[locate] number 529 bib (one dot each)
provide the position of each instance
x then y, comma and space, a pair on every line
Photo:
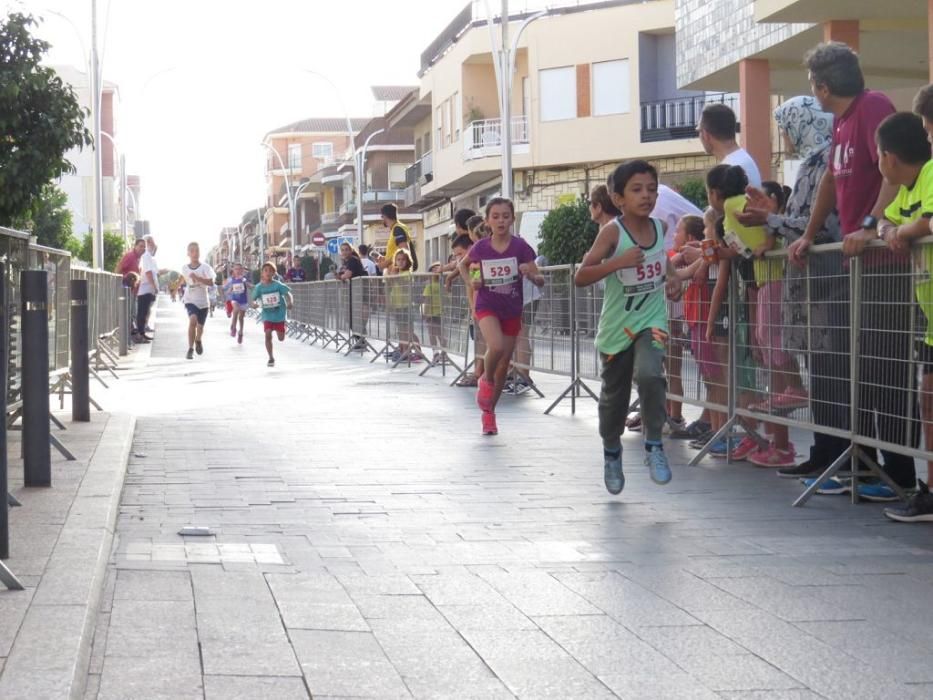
499, 272
644, 278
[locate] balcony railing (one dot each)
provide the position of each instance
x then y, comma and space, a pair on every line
348, 208
383, 196
421, 172
665, 120
330, 217
483, 138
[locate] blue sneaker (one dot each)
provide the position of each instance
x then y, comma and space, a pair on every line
830, 487
612, 472
719, 448
877, 493
658, 467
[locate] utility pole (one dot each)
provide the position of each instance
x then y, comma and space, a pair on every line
505, 100
97, 243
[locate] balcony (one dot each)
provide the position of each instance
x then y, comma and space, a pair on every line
373, 196
347, 208
483, 138
667, 120
330, 217
416, 176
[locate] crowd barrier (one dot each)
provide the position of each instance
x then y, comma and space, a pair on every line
779, 353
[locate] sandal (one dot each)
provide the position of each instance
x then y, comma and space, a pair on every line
468, 380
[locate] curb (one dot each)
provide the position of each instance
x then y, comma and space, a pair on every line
52, 652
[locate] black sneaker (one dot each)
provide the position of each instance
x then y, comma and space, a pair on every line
271, 362
198, 347
701, 441
801, 471
190, 354
694, 431
919, 508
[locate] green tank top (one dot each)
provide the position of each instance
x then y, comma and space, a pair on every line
634, 298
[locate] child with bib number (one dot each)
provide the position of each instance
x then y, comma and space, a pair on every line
503, 260
236, 292
274, 298
628, 254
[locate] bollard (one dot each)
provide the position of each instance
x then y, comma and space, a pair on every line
37, 459
80, 364
123, 316
4, 484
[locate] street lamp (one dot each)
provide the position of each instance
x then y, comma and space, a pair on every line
359, 185
505, 67
288, 192
123, 187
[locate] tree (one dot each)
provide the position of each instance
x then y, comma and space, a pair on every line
40, 119
114, 248
694, 190
50, 220
567, 232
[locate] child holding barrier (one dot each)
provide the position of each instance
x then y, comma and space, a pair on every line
628, 254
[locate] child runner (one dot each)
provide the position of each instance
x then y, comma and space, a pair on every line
199, 277
237, 290
275, 299
633, 323
503, 260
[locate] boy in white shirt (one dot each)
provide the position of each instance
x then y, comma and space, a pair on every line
199, 278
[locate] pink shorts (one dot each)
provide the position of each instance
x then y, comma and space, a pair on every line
510, 326
769, 332
704, 352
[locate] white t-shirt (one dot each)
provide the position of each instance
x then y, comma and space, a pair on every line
148, 264
195, 292
670, 208
741, 157
369, 266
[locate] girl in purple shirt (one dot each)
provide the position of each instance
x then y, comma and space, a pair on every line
495, 268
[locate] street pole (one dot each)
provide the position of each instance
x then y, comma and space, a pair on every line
97, 242
361, 162
123, 191
506, 101
288, 192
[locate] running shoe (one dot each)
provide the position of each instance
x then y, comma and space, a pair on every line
484, 395
634, 423
877, 493
746, 447
489, 423
239, 338
271, 362
521, 386
802, 470
793, 398
613, 477
718, 449
919, 509
772, 457
674, 425
694, 431
232, 331
509, 389
658, 467
190, 354
198, 347
830, 487
467, 380
701, 441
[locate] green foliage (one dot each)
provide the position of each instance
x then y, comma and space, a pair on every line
50, 219
40, 119
567, 233
114, 248
695, 190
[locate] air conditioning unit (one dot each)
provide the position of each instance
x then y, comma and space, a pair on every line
425, 178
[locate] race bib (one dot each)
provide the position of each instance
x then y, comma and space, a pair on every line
271, 301
238, 288
645, 278
500, 272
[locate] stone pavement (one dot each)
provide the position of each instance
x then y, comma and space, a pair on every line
370, 543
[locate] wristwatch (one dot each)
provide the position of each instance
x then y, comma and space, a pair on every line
870, 223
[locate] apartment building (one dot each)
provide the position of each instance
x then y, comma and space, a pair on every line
302, 157
756, 48
594, 84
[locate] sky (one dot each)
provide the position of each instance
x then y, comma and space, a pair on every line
202, 81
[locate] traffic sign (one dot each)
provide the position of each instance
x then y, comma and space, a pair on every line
318, 239
333, 246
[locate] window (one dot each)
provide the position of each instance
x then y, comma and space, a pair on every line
558, 93
323, 151
456, 115
611, 88
448, 123
294, 156
397, 176
439, 126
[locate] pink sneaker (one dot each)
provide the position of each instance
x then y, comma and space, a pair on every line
232, 331
792, 398
745, 447
484, 395
773, 458
489, 423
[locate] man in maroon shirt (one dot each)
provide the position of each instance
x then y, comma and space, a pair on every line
854, 186
130, 262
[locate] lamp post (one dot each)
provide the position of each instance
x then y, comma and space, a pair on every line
97, 241
359, 184
288, 192
505, 67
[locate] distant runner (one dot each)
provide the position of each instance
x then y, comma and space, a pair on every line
199, 277
275, 299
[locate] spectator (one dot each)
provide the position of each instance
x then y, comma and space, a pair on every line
776, 199
399, 284
296, 272
852, 184
353, 267
148, 289
371, 269
431, 310
717, 129
399, 238
521, 381
131, 260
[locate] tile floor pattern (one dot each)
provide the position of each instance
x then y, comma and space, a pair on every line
370, 543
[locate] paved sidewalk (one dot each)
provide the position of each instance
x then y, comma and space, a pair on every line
370, 543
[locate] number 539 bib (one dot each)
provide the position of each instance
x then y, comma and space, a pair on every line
502, 271
645, 277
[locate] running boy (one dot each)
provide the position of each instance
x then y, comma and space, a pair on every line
236, 290
274, 298
633, 324
199, 277
503, 261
